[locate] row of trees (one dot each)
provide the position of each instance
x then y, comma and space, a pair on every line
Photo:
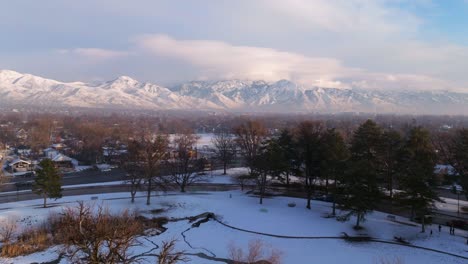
358, 173
154, 162
454, 150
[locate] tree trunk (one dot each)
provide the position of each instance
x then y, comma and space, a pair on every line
423, 225
358, 220
309, 197
287, 179
334, 197
133, 197
182, 188
326, 185
309, 192
262, 187
390, 185
148, 194
224, 167
45, 199
412, 213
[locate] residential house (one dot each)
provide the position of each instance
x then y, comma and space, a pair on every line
21, 134
60, 160
20, 165
23, 150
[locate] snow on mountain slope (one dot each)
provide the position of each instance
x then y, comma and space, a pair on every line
234, 95
287, 96
121, 92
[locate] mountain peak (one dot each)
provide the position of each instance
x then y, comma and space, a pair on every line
10, 74
125, 78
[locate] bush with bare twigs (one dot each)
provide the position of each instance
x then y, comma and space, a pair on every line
394, 260
94, 235
168, 254
258, 253
8, 229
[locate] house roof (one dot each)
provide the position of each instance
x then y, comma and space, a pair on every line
13, 162
58, 145
61, 157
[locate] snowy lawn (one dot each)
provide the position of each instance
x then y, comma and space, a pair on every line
273, 217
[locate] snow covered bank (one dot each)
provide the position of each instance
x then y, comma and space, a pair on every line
274, 217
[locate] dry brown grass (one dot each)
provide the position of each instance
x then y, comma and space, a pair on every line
30, 241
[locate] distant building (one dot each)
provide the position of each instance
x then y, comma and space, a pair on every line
23, 150
20, 165
445, 170
60, 160
21, 134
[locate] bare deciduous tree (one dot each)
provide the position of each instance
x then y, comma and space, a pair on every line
7, 229
135, 178
148, 152
225, 148
184, 164
249, 138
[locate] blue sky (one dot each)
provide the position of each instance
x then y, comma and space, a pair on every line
385, 44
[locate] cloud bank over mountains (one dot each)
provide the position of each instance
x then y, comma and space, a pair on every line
371, 44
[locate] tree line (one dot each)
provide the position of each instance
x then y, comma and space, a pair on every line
359, 173
356, 171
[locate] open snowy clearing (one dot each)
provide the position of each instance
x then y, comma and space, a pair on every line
274, 217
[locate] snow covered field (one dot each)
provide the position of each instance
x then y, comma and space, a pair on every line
274, 217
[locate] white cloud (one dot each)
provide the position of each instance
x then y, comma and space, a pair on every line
220, 60
336, 43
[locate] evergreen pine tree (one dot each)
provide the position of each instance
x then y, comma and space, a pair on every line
48, 181
418, 159
335, 155
362, 193
309, 154
459, 157
267, 162
391, 147
288, 154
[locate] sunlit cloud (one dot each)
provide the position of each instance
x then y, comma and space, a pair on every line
220, 60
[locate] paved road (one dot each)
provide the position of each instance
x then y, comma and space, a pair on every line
101, 189
449, 194
83, 177
96, 176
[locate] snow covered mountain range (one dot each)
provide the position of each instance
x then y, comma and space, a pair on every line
230, 95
